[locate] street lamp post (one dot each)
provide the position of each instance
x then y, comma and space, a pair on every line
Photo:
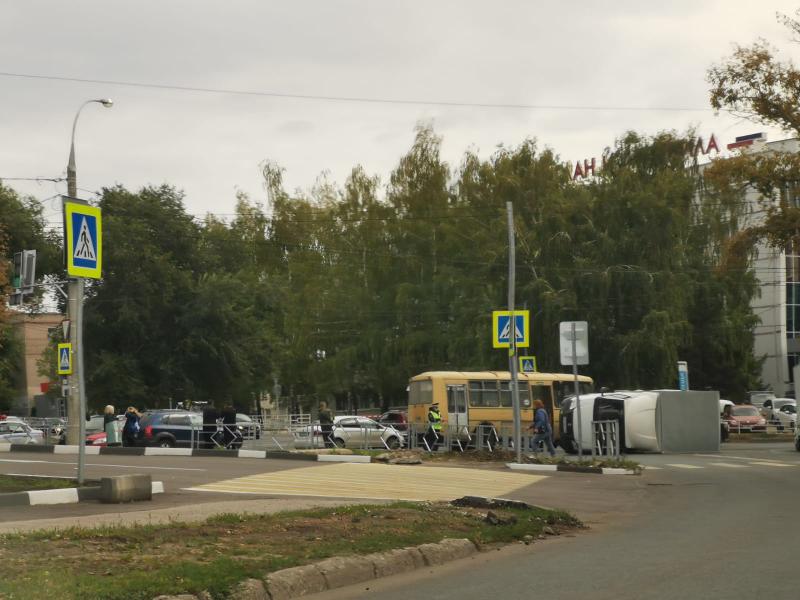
76, 403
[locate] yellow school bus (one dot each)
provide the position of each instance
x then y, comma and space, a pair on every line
478, 398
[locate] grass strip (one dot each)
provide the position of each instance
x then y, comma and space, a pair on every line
16, 483
141, 562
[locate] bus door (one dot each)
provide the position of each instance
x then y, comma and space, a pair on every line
457, 406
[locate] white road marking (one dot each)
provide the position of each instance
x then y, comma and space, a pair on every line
56, 462
772, 464
728, 465
681, 466
381, 482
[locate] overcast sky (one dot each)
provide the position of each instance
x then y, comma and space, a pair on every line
579, 53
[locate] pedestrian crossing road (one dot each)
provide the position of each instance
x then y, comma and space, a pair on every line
377, 482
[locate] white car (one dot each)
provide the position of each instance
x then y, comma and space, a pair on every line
17, 432
785, 417
351, 432
772, 411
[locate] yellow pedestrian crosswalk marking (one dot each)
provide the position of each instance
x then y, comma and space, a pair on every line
681, 466
772, 464
377, 482
728, 465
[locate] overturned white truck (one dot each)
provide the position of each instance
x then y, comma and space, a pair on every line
649, 421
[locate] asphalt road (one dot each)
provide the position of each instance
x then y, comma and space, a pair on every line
704, 529
702, 526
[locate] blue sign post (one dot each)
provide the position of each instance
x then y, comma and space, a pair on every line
683, 376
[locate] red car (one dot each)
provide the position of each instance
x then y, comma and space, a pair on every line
744, 417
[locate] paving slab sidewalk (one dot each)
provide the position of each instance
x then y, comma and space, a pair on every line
190, 513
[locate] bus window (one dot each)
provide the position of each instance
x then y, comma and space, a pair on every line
483, 394
420, 392
505, 394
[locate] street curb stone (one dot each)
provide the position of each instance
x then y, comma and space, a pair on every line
570, 469
447, 550
340, 571
61, 495
294, 582
249, 589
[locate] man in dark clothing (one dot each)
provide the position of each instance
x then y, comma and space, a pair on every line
326, 424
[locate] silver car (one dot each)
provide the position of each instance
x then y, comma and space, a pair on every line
17, 432
362, 432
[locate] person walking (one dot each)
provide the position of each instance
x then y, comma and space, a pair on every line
131, 428
110, 426
326, 424
434, 427
542, 431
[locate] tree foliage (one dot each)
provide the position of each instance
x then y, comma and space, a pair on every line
344, 292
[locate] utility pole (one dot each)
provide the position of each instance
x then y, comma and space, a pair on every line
76, 402
512, 334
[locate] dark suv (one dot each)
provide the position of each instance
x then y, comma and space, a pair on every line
181, 428
169, 428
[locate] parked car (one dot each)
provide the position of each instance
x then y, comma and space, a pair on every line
96, 430
773, 405
17, 432
360, 432
395, 418
170, 428
785, 417
745, 418
351, 431
250, 429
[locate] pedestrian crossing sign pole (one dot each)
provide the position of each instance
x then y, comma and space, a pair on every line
65, 359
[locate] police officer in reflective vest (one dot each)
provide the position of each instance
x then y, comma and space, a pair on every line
434, 427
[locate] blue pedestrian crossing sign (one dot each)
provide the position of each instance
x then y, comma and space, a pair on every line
527, 364
65, 359
84, 239
501, 328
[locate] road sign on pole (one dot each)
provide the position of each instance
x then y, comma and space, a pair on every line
683, 375
501, 328
65, 359
527, 364
84, 240
577, 332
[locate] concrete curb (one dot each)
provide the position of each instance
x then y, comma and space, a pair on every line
60, 496
340, 571
570, 469
348, 458
157, 451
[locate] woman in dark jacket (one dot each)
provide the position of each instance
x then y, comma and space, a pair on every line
131, 428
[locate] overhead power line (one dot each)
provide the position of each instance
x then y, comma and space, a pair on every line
360, 99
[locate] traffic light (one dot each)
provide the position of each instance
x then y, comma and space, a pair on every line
24, 276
